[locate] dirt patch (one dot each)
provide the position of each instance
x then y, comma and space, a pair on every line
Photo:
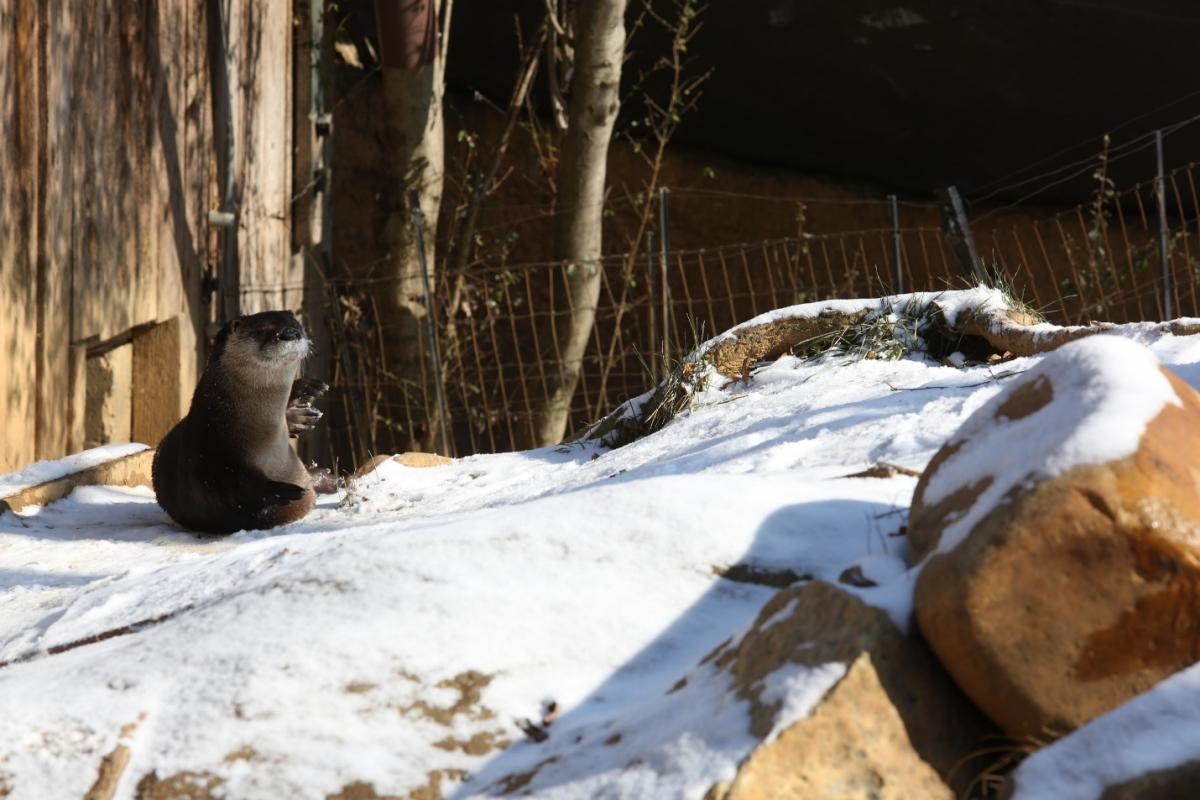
359, 687
432, 790
470, 686
180, 786
478, 745
244, 753
360, 790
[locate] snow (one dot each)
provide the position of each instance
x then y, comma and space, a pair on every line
1154, 731
951, 303
798, 689
780, 615
802, 311
430, 609
44, 471
1104, 391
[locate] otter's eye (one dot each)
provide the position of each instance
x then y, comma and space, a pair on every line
290, 334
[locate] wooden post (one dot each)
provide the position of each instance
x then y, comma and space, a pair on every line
654, 356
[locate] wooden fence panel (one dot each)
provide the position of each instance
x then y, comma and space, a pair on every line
18, 231
106, 180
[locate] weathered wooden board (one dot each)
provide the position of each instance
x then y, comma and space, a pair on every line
108, 85
181, 215
131, 470
19, 146
77, 398
158, 393
110, 397
57, 223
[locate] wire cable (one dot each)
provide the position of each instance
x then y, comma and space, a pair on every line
977, 191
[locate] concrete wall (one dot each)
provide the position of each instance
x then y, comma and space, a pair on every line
107, 175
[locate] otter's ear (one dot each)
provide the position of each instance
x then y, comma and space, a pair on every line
234, 325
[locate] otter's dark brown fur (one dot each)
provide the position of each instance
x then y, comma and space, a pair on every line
228, 464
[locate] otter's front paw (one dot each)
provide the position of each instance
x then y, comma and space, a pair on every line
306, 390
301, 419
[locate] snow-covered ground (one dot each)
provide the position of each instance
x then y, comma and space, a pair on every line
400, 636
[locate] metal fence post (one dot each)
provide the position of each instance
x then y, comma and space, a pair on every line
431, 328
954, 219
896, 252
226, 216
653, 315
1164, 253
664, 246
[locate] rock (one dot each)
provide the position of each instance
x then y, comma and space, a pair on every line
853, 745
1148, 749
1063, 574
854, 576
415, 459
1174, 783
1177, 783
409, 459
894, 726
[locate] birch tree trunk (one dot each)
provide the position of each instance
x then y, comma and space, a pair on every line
412, 53
592, 110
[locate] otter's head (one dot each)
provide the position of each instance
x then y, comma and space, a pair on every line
263, 346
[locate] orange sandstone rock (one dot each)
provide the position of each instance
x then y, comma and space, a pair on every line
1066, 579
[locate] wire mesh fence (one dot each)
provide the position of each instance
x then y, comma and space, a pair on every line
497, 324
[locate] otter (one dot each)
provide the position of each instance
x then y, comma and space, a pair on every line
228, 465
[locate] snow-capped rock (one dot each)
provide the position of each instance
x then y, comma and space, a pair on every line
1060, 530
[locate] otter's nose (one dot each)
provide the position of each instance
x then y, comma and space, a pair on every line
291, 333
